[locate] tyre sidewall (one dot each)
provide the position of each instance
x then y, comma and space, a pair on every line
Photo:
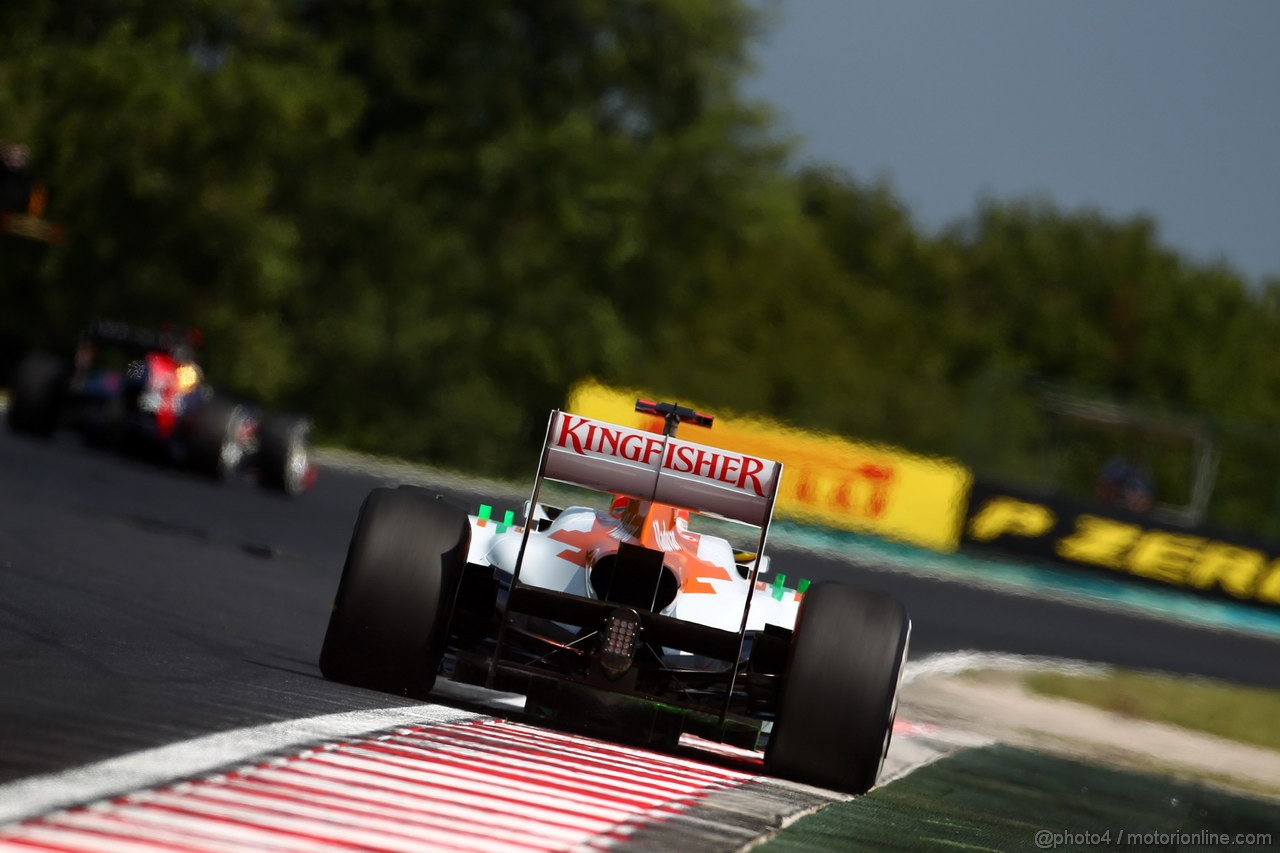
280, 439
37, 391
389, 623
214, 426
839, 688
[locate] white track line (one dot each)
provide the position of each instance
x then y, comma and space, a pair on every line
40, 794
335, 797
954, 663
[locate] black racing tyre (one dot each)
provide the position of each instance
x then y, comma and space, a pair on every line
839, 689
36, 393
284, 454
389, 625
216, 438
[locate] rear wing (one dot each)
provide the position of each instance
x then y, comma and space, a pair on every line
661, 468
141, 341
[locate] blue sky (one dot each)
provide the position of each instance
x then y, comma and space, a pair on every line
1169, 108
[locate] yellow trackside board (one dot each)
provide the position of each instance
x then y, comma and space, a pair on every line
865, 488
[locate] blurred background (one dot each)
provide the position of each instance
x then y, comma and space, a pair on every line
423, 223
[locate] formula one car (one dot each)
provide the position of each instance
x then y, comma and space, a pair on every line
142, 391
624, 618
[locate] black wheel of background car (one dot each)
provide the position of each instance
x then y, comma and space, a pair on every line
216, 444
389, 625
284, 453
839, 689
36, 393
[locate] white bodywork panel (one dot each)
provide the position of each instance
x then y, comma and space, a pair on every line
545, 566
658, 481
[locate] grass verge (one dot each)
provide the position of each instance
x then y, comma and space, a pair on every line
1001, 798
1244, 714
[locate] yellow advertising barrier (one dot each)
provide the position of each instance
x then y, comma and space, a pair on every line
865, 488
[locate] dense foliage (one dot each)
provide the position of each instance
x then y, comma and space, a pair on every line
420, 222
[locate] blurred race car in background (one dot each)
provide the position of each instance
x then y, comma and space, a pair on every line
635, 617
142, 391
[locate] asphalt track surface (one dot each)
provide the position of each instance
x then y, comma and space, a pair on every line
141, 606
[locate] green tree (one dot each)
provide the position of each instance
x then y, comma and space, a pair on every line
177, 137
422, 222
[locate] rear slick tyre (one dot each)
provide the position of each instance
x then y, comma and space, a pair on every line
839, 689
216, 439
389, 624
284, 454
37, 390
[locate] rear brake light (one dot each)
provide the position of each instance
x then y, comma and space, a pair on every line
619, 640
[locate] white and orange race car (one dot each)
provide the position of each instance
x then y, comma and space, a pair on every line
632, 615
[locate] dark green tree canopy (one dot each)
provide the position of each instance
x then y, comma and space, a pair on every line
421, 222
